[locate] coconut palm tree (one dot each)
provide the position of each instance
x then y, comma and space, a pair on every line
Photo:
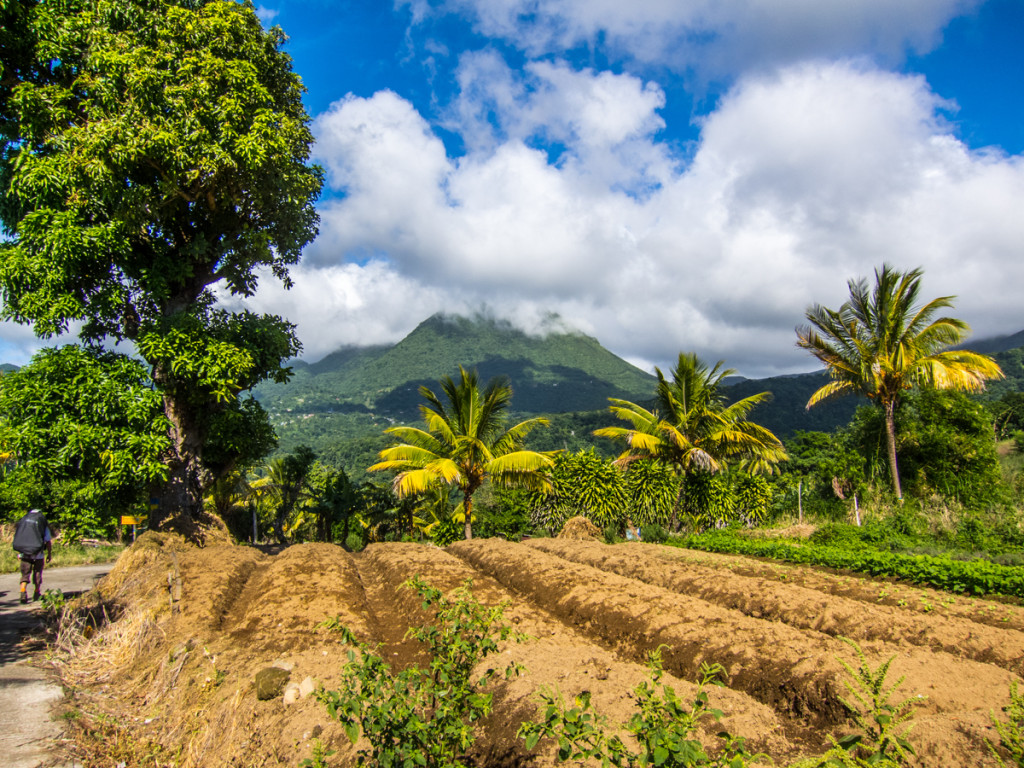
465, 442
880, 342
692, 428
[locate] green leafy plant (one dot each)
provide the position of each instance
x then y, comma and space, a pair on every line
319, 758
663, 725
422, 717
978, 577
653, 534
884, 726
1011, 731
53, 601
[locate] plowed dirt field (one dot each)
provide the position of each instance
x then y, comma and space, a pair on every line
176, 670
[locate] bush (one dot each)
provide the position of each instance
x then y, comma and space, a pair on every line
422, 716
653, 533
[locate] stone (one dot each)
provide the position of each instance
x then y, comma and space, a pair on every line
291, 694
270, 682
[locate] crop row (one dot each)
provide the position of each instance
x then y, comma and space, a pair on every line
977, 577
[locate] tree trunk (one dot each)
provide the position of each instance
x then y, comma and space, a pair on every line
890, 436
182, 495
467, 507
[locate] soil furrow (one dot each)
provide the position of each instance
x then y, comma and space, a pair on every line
795, 672
801, 607
912, 599
557, 657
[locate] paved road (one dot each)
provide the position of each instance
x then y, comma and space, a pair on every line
26, 695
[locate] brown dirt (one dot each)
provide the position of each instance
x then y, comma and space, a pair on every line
194, 626
579, 528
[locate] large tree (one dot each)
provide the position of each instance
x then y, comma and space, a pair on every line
155, 158
87, 431
882, 342
692, 427
465, 443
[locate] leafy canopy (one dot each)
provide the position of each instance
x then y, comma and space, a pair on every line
85, 417
464, 443
882, 341
692, 428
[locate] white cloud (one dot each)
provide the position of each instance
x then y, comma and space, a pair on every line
802, 179
713, 37
266, 15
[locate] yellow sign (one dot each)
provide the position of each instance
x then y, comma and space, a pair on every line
126, 520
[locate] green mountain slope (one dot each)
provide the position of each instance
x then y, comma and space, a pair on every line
556, 373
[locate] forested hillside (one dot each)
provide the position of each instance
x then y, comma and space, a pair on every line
558, 372
341, 404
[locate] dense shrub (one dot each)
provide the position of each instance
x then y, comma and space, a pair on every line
653, 533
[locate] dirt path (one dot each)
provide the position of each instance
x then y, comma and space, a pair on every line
26, 693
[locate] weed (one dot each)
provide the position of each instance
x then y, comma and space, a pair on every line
1011, 731
320, 755
53, 601
882, 742
664, 727
422, 717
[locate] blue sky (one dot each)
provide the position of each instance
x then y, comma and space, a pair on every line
666, 175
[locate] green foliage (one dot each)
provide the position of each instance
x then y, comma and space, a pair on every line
53, 602
881, 342
87, 431
651, 492
823, 464
334, 502
504, 512
884, 726
708, 500
753, 499
446, 532
976, 577
946, 445
664, 727
692, 428
466, 443
582, 484
653, 534
423, 716
154, 153
320, 755
1011, 730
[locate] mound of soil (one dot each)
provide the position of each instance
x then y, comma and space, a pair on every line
579, 528
191, 629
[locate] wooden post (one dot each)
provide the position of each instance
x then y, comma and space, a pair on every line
800, 501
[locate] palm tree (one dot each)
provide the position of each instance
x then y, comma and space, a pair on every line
465, 443
880, 343
692, 428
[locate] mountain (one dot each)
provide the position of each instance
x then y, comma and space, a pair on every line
341, 404
995, 344
561, 371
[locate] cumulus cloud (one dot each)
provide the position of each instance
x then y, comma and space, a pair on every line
815, 171
716, 38
266, 15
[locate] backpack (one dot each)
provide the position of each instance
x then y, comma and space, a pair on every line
29, 534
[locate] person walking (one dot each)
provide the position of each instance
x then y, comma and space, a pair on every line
31, 537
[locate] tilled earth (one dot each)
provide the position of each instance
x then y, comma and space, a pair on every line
177, 668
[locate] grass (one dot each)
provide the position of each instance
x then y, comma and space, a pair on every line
64, 555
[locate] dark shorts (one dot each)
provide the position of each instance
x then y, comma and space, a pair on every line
32, 570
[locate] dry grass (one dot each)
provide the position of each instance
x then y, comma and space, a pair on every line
580, 529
